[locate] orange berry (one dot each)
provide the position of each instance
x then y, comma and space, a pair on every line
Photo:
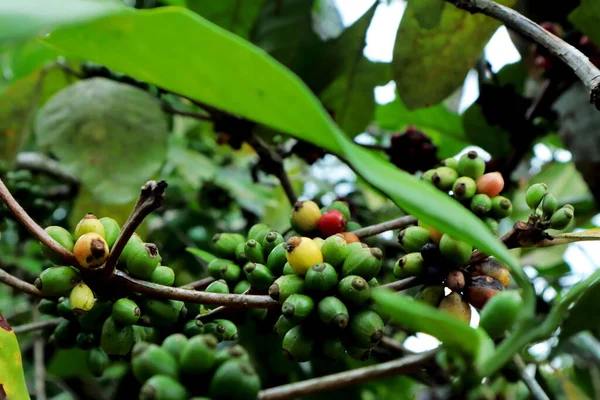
491, 184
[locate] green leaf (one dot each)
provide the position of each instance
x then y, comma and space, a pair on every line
195, 167
205, 255
112, 134
69, 363
19, 61
237, 16
442, 125
350, 96
428, 12
430, 63
548, 262
578, 319
25, 18
420, 317
212, 74
586, 19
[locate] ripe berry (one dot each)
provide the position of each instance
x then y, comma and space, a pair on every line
491, 267
412, 151
305, 216
482, 288
302, 253
350, 237
91, 250
455, 281
456, 306
490, 184
332, 222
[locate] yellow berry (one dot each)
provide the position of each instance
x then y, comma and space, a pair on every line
306, 215
81, 298
302, 253
89, 223
91, 250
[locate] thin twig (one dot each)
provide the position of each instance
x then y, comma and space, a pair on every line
192, 296
192, 114
42, 163
404, 284
18, 284
201, 283
575, 59
33, 227
344, 379
534, 388
219, 310
36, 326
398, 223
151, 198
38, 359
378, 147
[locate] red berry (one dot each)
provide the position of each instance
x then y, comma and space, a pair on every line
332, 222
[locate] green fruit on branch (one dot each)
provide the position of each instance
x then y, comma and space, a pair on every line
272, 240
134, 243
297, 345
535, 194
333, 348
365, 263
464, 188
455, 250
283, 325
86, 340
241, 287
93, 319
335, 250
47, 307
126, 312
193, 327
91, 250
64, 308
333, 312
224, 269
162, 387
354, 290
97, 361
471, 165
277, 259
501, 207
342, 207
413, 238
444, 177
57, 281
163, 312
427, 175
164, 275
240, 256
153, 360
358, 353
561, 218
305, 216
449, 162
116, 339
258, 232
193, 309
481, 289
235, 352
288, 270
65, 334
142, 262
111, 230
491, 223
366, 328
81, 299
89, 224
409, 265
481, 204
297, 307
254, 252
500, 313
259, 276
431, 295
285, 286
219, 286
234, 380
225, 244
223, 329
302, 253
456, 306
63, 237
199, 355
321, 278
491, 267
174, 344
549, 204
355, 246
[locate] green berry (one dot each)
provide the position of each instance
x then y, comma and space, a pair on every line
333, 312
428, 175
283, 325
97, 361
57, 281
297, 345
413, 238
116, 339
352, 226
63, 237
444, 177
333, 348
47, 307
153, 360
297, 307
162, 387
86, 340
335, 250
366, 328
225, 244
241, 287
240, 256
373, 283
500, 313
277, 260
285, 286
193, 327
193, 309
365, 263
81, 299
481, 204
258, 232
354, 290
259, 276
174, 344
134, 243
219, 286
126, 312
235, 380
142, 261
549, 204
254, 251
471, 165
455, 250
111, 230
222, 329
288, 270
409, 265
450, 163
535, 194
89, 223
93, 319
163, 312
464, 188
501, 207
342, 207
561, 218
272, 240
199, 355
235, 352
358, 353
320, 278
163, 276
491, 223
65, 334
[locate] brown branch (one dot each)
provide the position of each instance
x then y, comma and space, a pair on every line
398, 223
575, 59
33, 227
404, 284
38, 359
18, 284
348, 378
534, 387
36, 326
41, 163
151, 198
201, 283
231, 300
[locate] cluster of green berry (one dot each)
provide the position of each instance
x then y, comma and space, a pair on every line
182, 367
468, 183
545, 209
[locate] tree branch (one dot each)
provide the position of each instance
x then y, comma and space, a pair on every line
42, 163
534, 388
33, 227
576, 60
39, 367
18, 284
151, 198
36, 326
201, 283
343, 379
404, 284
398, 223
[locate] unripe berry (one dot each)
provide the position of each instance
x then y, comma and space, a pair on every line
81, 299
47, 307
444, 177
490, 184
455, 281
259, 276
126, 312
456, 306
283, 326
116, 339
335, 250
302, 253
285, 286
163, 312
297, 345
57, 281
332, 222
272, 240
134, 243
340, 206
365, 263
561, 218
359, 353
464, 188
319, 242
91, 250
193, 327
234, 379
111, 230
535, 194
142, 261
471, 165
409, 265
549, 204
413, 238
88, 224
352, 226
500, 313
63, 237
333, 348
152, 360
97, 361
254, 251
333, 312
305, 216
491, 267
450, 163
501, 207
366, 328
222, 269
481, 204
241, 287
235, 352
482, 288
297, 307
491, 222
164, 275
434, 234
199, 355
258, 232
321, 278
226, 243
428, 175
223, 329
354, 290
455, 250
350, 237
277, 259
162, 387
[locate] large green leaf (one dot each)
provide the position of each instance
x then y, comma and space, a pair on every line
586, 18
236, 16
19, 61
430, 63
111, 134
420, 317
263, 91
579, 317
